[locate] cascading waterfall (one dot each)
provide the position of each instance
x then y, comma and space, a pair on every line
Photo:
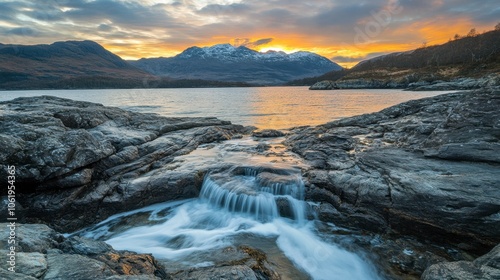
263, 203
257, 194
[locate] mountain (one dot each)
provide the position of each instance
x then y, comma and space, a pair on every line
61, 64
225, 62
469, 60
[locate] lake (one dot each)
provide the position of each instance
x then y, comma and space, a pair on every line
263, 107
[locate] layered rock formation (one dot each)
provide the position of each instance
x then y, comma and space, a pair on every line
79, 162
411, 82
427, 168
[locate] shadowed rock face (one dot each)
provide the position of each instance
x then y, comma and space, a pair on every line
486, 267
75, 158
428, 168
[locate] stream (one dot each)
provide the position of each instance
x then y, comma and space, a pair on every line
252, 203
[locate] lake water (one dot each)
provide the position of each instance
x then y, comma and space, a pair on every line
264, 107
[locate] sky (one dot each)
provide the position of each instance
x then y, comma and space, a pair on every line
344, 31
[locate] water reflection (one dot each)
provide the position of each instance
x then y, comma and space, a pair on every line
264, 107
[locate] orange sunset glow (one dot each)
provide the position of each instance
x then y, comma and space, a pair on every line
345, 33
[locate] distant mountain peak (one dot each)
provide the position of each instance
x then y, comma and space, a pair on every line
225, 62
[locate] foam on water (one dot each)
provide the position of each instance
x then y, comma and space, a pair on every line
231, 207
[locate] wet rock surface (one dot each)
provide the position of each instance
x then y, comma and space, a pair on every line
79, 162
426, 168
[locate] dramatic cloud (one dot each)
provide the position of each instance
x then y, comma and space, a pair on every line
347, 31
249, 44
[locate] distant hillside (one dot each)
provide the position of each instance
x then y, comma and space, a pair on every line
238, 64
48, 66
472, 57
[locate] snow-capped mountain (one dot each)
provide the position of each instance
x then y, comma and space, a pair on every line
225, 62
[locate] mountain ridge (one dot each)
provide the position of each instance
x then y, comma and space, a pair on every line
87, 64
225, 62
49, 65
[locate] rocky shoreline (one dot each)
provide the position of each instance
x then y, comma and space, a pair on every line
426, 169
412, 82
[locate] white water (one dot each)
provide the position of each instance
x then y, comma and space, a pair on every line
231, 207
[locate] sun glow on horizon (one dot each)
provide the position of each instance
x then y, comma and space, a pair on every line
346, 55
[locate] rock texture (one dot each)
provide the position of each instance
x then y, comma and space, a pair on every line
324, 85
427, 168
79, 162
42, 253
486, 267
236, 263
411, 81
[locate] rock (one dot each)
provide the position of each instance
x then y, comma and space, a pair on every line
324, 85
64, 266
130, 263
74, 158
30, 264
412, 81
42, 252
486, 267
9, 275
84, 246
427, 168
463, 83
232, 262
268, 133
32, 237
237, 272
481, 152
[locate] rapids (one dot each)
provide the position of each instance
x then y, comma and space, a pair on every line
256, 206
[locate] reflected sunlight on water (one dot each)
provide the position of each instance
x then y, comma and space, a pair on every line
264, 107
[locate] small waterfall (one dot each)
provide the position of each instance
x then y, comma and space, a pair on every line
256, 206
264, 194
233, 196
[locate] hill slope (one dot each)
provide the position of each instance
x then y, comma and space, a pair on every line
466, 58
238, 64
85, 63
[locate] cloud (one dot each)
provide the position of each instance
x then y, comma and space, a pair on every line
353, 59
251, 44
22, 31
315, 25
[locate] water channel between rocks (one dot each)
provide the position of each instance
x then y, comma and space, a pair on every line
248, 199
